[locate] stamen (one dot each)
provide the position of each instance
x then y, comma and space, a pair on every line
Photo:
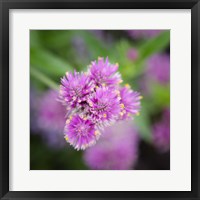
127, 86
140, 97
138, 113
66, 138
68, 121
118, 98
61, 91
122, 106
96, 133
117, 92
124, 111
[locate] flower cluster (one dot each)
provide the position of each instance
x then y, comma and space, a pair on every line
95, 100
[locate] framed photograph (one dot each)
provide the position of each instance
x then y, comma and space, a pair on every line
99, 99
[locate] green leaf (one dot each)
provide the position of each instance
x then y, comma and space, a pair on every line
162, 93
126, 66
96, 46
154, 45
44, 79
143, 123
35, 38
56, 39
150, 47
48, 63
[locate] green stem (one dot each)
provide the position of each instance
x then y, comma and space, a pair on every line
44, 79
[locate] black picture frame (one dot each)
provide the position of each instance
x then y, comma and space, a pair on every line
5, 5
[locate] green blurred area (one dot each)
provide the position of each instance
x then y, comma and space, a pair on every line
54, 52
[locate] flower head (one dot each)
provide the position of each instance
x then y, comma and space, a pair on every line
104, 73
161, 132
104, 106
80, 132
75, 88
129, 102
117, 149
158, 68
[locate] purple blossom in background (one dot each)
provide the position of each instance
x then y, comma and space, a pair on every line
132, 54
51, 118
158, 68
95, 100
33, 108
98, 33
80, 47
161, 132
117, 149
103, 36
139, 34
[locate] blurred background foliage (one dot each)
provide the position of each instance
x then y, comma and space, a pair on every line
54, 52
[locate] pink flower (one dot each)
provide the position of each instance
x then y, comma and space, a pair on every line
129, 103
104, 73
75, 88
80, 132
132, 54
161, 132
50, 118
95, 100
117, 149
158, 68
